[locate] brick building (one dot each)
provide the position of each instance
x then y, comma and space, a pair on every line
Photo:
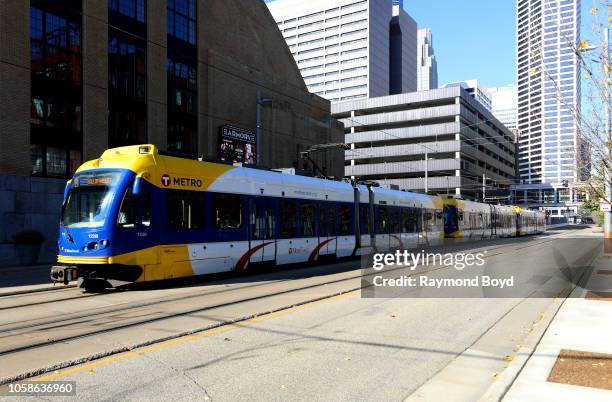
80, 76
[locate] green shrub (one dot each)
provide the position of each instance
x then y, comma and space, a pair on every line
599, 217
29, 236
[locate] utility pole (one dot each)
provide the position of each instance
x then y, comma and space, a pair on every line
608, 173
426, 171
484, 185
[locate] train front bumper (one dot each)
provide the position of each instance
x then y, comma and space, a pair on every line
64, 274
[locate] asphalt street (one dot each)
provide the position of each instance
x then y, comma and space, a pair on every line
345, 347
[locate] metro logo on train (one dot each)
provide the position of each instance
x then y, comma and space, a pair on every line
180, 181
137, 214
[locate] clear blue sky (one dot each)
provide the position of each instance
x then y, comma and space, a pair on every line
473, 38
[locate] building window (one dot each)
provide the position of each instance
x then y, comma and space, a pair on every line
127, 75
182, 20
181, 69
135, 9
182, 107
56, 89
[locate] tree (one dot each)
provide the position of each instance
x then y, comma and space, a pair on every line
593, 148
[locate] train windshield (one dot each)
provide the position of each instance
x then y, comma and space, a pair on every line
89, 199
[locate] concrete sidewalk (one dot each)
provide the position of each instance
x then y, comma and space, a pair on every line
15, 278
573, 360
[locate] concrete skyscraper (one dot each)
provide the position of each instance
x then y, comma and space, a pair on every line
476, 90
350, 49
427, 69
548, 96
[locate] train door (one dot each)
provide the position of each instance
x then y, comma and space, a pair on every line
330, 230
395, 235
494, 220
262, 231
382, 228
134, 220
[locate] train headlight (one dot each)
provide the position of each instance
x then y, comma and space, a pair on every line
91, 246
103, 244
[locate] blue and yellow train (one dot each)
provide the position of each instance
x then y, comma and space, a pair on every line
137, 214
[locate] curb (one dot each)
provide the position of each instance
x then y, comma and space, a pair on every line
497, 391
499, 388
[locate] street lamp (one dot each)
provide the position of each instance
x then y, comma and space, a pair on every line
427, 159
260, 101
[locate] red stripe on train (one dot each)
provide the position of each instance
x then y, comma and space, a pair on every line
315, 252
245, 258
399, 239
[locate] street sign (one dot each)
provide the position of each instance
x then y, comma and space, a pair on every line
605, 207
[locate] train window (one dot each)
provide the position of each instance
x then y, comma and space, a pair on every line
382, 220
395, 220
408, 220
257, 222
307, 215
129, 215
227, 211
345, 220
145, 209
322, 221
439, 216
365, 220
128, 211
185, 209
264, 221
270, 222
428, 219
331, 229
287, 218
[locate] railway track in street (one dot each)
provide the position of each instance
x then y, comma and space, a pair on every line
82, 326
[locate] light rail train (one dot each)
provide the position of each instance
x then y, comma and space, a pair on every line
137, 214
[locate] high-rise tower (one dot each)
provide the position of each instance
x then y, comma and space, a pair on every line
548, 90
350, 49
427, 67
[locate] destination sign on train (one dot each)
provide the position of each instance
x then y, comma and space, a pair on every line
95, 181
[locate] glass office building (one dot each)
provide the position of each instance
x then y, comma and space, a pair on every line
548, 105
548, 90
